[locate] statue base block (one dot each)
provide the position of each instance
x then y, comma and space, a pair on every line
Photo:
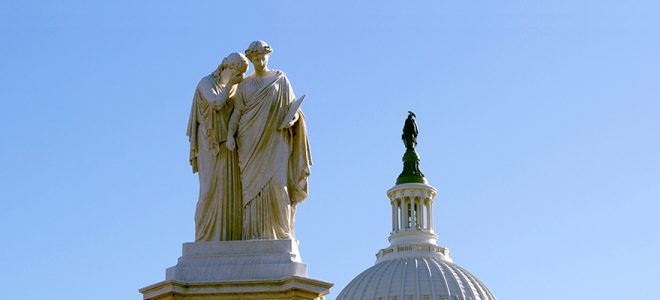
253, 269
238, 260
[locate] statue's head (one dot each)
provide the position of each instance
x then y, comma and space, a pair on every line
235, 63
258, 52
411, 115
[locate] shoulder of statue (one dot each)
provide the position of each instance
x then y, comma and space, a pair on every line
279, 73
241, 85
206, 81
248, 78
281, 77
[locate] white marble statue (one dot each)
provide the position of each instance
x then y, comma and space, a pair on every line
268, 131
219, 208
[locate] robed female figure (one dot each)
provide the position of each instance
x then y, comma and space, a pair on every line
219, 212
273, 150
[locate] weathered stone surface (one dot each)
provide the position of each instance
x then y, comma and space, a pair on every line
255, 269
238, 260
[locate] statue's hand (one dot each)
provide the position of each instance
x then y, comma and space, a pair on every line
235, 79
231, 143
293, 121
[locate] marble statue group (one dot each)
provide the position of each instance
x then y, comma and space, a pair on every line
248, 142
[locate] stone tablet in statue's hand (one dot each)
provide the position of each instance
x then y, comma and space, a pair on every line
230, 143
292, 116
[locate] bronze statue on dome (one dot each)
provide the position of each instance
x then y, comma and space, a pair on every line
409, 135
411, 172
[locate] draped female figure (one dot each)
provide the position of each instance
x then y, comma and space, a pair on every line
218, 215
273, 151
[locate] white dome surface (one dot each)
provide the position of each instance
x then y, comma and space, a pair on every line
426, 277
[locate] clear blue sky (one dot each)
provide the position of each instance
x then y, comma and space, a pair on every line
539, 125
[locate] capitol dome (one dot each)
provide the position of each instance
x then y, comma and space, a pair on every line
416, 277
414, 267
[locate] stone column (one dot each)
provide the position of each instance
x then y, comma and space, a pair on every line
393, 203
421, 213
406, 204
431, 215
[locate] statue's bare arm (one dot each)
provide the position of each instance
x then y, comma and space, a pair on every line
233, 122
220, 99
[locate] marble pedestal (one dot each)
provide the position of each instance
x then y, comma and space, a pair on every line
255, 269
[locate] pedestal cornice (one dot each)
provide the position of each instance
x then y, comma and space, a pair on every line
288, 288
